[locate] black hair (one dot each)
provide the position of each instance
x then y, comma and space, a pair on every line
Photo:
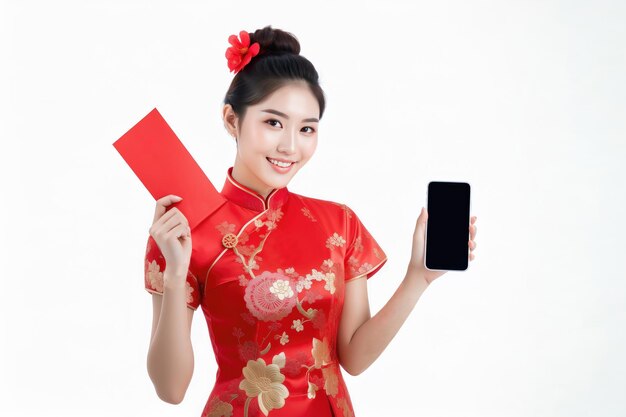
277, 64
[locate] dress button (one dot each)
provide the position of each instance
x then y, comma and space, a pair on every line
229, 240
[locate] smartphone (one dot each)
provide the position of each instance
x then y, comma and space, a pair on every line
447, 227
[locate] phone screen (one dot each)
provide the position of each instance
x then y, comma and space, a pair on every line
447, 228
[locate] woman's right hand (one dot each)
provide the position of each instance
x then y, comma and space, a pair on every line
172, 234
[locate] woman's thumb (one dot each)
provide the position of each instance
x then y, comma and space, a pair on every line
421, 221
423, 216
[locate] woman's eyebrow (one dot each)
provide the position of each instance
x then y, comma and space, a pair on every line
278, 113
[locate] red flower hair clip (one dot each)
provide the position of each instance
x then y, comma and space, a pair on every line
241, 52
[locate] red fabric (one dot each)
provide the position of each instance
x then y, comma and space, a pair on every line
272, 294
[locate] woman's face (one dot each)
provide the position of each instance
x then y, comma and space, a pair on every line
282, 127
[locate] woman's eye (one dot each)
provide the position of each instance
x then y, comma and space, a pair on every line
271, 121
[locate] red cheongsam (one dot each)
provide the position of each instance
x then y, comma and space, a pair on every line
270, 276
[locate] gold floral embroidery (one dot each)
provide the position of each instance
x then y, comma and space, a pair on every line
331, 382
237, 332
284, 338
297, 324
269, 297
189, 292
243, 238
154, 279
330, 283
322, 358
358, 246
343, 404
335, 240
327, 277
289, 272
273, 216
307, 213
224, 228
219, 408
265, 382
320, 352
281, 289
311, 391
356, 269
154, 276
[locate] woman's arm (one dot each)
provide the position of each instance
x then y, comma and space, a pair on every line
361, 338
170, 357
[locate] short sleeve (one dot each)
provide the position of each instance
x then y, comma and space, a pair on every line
154, 266
364, 256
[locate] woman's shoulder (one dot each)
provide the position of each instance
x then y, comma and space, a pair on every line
320, 204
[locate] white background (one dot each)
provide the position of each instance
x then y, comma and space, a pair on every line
523, 99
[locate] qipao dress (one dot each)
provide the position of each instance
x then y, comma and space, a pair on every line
269, 275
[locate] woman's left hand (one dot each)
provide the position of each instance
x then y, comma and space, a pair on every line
419, 236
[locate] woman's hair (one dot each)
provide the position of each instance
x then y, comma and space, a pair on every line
277, 64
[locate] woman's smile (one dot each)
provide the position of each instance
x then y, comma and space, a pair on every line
279, 165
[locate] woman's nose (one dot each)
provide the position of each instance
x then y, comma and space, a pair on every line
288, 142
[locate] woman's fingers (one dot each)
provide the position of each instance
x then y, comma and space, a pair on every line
172, 221
162, 204
181, 230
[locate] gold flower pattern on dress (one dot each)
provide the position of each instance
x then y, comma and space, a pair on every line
189, 292
271, 296
331, 382
354, 266
335, 240
281, 289
311, 391
154, 276
279, 309
307, 213
154, 279
265, 382
322, 360
345, 407
219, 408
284, 338
320, 352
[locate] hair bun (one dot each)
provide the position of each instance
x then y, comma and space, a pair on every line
275, 41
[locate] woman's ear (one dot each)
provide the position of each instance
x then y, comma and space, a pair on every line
230, 120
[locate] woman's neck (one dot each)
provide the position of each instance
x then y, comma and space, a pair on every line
246, 178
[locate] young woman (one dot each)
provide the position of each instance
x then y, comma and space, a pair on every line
281, 278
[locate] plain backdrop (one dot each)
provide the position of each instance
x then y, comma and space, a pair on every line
525, 100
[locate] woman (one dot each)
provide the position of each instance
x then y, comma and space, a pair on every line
281, 278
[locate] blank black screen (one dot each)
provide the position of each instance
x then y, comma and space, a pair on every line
447, 228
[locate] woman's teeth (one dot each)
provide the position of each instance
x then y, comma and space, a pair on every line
280, 164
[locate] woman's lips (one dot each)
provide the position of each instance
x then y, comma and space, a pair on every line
279, 169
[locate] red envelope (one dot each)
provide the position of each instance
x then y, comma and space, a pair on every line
164, 166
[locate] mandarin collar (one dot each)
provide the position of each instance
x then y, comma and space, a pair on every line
248, 198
